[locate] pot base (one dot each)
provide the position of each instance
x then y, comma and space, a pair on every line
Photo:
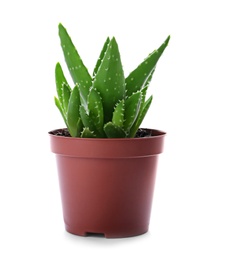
108, 233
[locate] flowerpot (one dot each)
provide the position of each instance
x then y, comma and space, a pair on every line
107, 184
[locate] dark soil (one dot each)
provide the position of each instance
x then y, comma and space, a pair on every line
142, 132
61, 132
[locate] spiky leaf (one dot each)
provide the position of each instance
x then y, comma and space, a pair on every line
78, 71
147, 82
109, 80
143, 95
118, 114
73, 115
132, 106
140, 118
60, 82
138, 78
85, 117
87, 133
96, 110
114, 131
66, 92
89, 121
102, 54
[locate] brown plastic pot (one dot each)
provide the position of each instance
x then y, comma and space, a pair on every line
107, 184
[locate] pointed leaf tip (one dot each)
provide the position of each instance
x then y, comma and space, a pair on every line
167, 40
60, 26
101, 56
109, 80
113, 39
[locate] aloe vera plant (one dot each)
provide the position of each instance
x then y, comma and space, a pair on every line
106, 104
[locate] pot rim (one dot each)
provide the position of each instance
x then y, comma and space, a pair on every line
157, 133
108, 147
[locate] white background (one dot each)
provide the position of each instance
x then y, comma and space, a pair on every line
188, 86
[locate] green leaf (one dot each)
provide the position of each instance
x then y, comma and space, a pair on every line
143, 73
73, 114
147, 83
102, 54
80, 127
89, 122
140, 118
85, 117
109, 80
118, 114
60, 82
66, 92
132, 106
143, 94
96, 110
114, 131
78, 71
87, 133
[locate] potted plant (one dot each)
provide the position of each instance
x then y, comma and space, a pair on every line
106, 164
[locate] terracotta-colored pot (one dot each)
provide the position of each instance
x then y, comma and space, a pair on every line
107, 184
